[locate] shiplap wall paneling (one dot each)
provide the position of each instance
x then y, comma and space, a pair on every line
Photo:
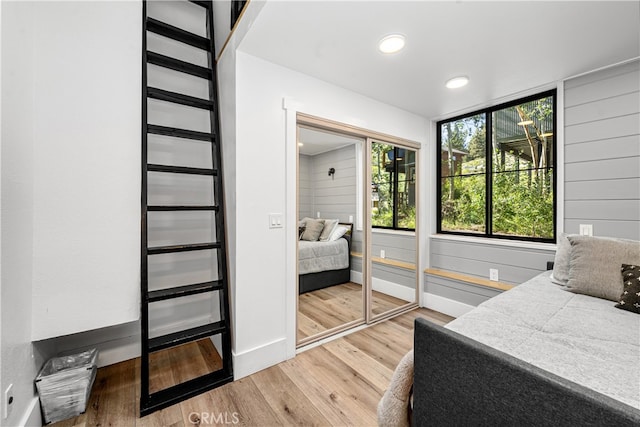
458, 291
305, 187
400, 247
335, 197
515, 264
393, 274
602, 152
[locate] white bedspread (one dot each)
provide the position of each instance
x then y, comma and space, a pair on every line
314, 257
584, 339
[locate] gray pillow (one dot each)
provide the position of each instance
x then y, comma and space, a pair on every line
594, 268
313, 229
560, 274
329, 226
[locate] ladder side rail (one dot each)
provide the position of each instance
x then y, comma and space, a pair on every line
216, 153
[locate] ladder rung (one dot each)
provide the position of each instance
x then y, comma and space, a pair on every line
178, 34
180, 133
178, 98
183, 291
164, 208
182, 337
201, 3
181, 169
178, 65
182, 248
179, 392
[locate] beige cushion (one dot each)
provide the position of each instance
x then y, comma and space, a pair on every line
313, 229
594, 268
329, 227
560, 275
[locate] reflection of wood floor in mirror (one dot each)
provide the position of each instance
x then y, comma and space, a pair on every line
328, 307
336, 305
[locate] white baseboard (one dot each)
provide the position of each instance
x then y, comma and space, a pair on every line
32, 416
445, 305
259, 358
403, 292
356, 277
389, 288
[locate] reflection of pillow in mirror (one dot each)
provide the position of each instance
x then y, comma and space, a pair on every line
329, 227
313, 229
340, 231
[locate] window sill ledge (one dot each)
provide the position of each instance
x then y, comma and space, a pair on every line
469, 279
391, 231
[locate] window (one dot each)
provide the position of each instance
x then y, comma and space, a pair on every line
496, 171
393, 201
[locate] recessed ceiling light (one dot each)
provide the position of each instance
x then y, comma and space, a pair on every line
300, 144
391, 44
457, 82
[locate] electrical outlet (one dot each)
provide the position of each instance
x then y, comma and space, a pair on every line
382, 253
351, 219
7, 403
586, 229
317, 214
493, 274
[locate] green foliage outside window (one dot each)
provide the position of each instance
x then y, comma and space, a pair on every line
519, 147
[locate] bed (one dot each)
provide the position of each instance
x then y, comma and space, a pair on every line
324, 263
549, 351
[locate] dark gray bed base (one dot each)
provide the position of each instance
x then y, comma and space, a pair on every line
459, 381
323, 279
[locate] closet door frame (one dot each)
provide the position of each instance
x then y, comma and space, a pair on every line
303, 119
370, 318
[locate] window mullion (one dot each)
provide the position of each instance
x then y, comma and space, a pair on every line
488, 219
395, 187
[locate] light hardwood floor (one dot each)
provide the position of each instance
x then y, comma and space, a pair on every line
333, 306
338, 383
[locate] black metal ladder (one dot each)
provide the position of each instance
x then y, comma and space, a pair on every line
150, 402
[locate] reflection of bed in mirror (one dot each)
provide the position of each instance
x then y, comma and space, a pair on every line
325, 263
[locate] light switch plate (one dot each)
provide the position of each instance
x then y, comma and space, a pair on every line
7, 402
493, 274
276, 221
586, 229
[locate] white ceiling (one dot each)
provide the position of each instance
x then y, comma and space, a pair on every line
504, 47
317, 141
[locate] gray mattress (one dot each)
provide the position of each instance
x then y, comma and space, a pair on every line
314, 257
583, 339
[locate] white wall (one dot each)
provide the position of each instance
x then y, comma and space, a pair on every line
264, 288
20, 359
85, 165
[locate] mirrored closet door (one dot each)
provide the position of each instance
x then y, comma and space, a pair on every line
330, 237
392, 228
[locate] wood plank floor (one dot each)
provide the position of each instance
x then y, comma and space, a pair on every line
327, 308
335, 384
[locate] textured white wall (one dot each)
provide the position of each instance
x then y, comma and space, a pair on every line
86, 166
20, 359
262, 281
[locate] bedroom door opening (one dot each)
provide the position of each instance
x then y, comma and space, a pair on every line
331, 295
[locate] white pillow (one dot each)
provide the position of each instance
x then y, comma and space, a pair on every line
340, 231
329, 227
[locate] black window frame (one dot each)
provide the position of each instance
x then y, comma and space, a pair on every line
489, 172
394, 188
